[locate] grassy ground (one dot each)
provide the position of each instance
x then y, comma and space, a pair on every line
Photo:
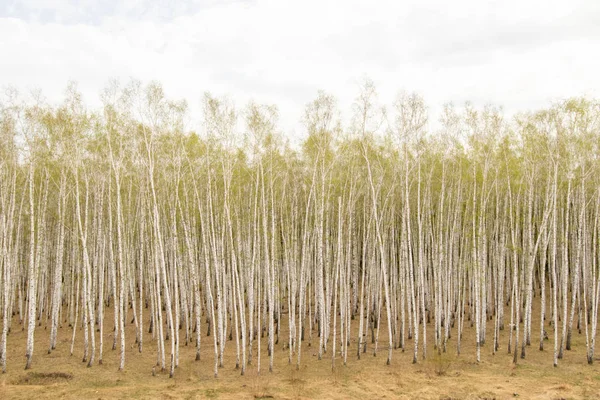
447, 376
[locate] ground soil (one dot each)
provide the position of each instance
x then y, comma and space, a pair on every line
447, 376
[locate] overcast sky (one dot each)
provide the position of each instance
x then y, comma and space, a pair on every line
520, 54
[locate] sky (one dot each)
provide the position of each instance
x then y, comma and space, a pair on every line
518, 54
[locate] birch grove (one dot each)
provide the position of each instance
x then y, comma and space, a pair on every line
389, 233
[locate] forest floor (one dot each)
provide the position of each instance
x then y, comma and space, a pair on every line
448, 376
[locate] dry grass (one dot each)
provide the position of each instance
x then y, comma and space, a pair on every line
58, 375
43, 378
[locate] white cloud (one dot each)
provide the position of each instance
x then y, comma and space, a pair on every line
513, 53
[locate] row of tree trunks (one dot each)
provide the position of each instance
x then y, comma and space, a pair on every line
379, 232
